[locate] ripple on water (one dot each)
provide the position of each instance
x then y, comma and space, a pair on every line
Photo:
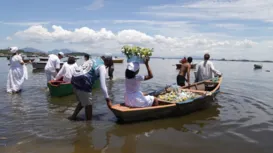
243, 116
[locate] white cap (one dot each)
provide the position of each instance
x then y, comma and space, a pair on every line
133, 66
61, 53
13, 49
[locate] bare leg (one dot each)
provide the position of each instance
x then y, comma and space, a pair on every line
88, 112
76, 112
155, 102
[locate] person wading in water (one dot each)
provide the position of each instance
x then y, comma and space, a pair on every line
184, 70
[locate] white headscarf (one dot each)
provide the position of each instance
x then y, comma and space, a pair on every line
133, 66
13, 49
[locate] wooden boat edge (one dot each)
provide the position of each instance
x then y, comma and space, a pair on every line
114, 107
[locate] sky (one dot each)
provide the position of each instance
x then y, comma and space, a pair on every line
224, 28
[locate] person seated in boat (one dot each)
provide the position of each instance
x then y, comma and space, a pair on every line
133, 96
65, 74
108, 61
184, 70
206, 70
53, 65
83, 80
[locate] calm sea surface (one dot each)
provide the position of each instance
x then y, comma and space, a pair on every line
241, 120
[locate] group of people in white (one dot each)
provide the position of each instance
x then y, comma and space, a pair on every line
83, 77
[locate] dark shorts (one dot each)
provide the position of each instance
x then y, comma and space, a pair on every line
180, 80
110, 72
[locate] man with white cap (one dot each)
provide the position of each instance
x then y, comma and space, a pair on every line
133, 96
53, 65
17, 72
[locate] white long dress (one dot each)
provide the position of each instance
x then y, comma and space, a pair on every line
17, 74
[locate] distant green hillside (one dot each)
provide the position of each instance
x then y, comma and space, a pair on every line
5, 52
75, 54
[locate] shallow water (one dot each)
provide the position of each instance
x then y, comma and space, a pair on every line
241, 119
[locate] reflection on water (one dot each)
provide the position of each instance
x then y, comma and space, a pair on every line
240, 120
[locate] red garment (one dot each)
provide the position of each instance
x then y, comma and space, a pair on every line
184, 60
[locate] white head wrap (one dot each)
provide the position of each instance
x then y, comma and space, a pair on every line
13, 49
61, 53
133, 66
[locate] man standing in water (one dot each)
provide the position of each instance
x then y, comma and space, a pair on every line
83, 80
206, 70
108, 61
184, 70
53, 65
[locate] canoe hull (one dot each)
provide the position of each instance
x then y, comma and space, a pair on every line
117, 60
60, 90
256, 66
166, 109
40, 65
142, 115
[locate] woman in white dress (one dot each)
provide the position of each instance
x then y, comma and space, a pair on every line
133, 96
67, 70
17, 72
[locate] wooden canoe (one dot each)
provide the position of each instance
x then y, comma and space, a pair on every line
193, 66
60, 88
117, 60
43, 58
40, 64
257, 66
207, 89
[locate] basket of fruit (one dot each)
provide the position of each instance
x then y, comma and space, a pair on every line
136, 54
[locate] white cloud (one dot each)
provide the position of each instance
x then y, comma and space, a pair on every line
106, 40
246, 43
24, 23
231, 26
96, 4
217, 10
177, 24
8, 38
82, 35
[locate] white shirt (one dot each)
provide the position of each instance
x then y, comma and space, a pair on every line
205, 71
86, 64
53, 63
133, 85
15, 62
133, 97
66, 72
